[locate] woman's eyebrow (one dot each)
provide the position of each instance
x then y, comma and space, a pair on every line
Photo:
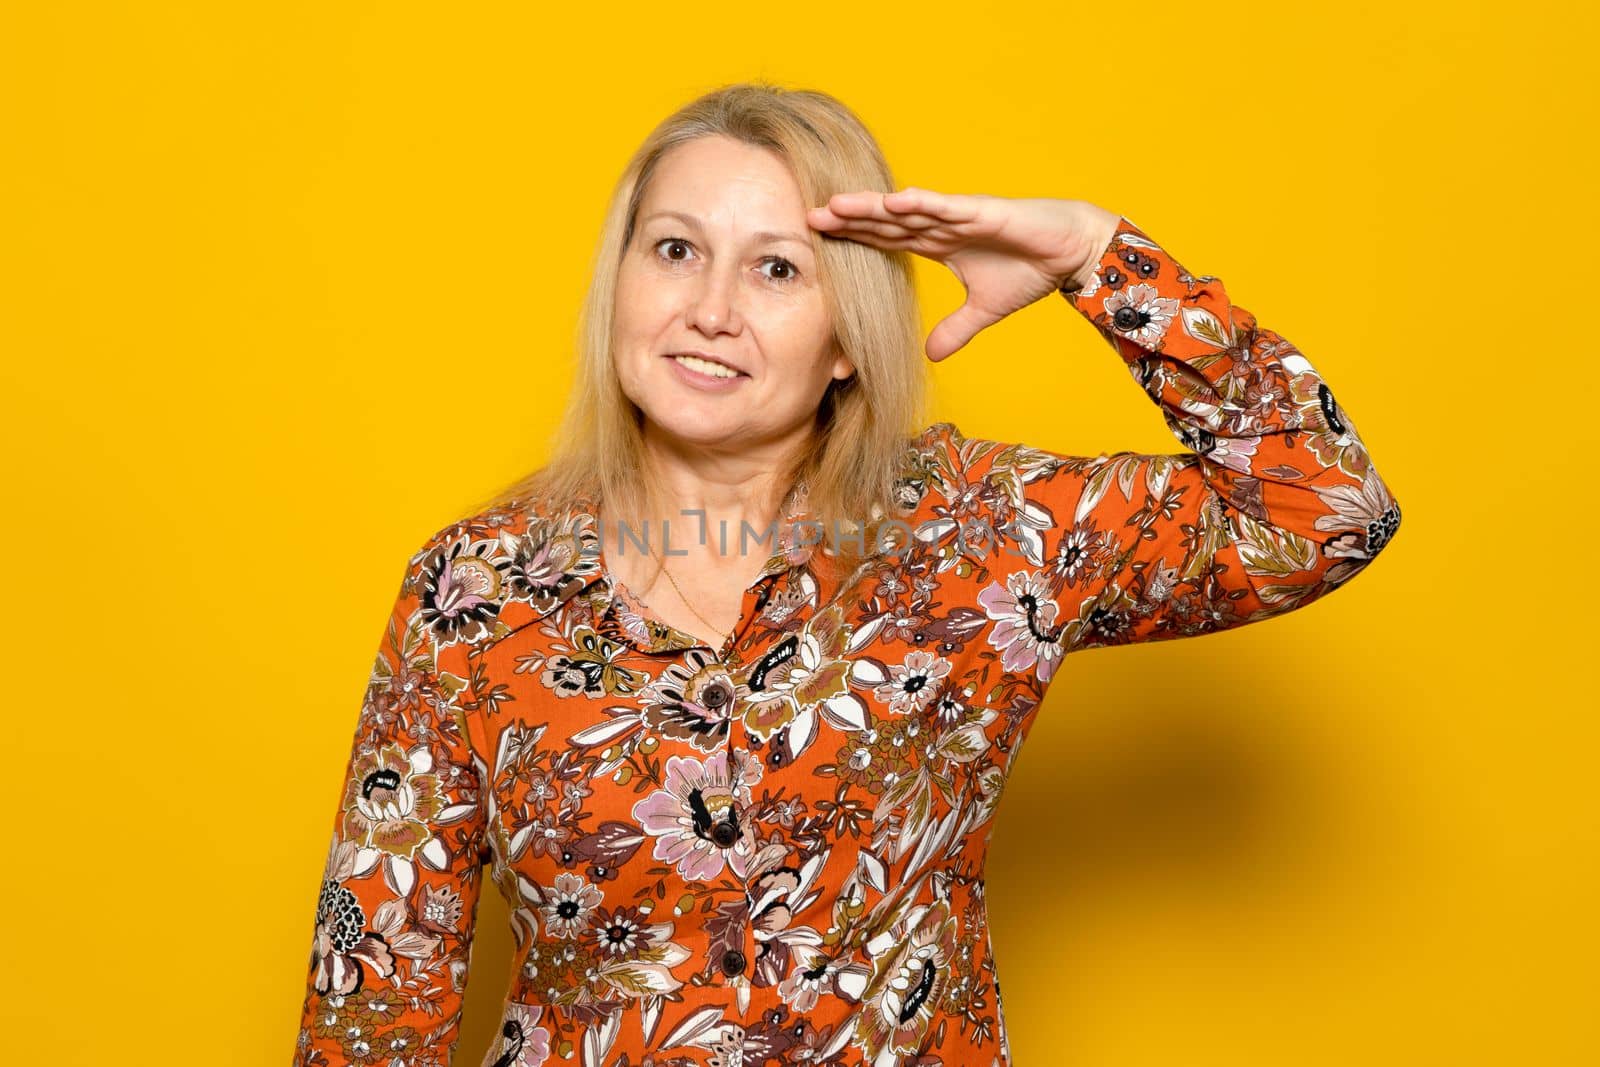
691, 221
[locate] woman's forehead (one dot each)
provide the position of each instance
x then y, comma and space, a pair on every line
726, 186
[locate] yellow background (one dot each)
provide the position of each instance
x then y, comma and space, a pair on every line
284, 287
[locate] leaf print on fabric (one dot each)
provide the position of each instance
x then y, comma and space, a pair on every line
774, 852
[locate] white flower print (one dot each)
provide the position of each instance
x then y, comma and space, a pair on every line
913, 684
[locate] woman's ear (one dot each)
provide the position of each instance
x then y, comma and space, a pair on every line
842, 367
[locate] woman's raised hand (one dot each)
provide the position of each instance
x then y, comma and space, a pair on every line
1007, 252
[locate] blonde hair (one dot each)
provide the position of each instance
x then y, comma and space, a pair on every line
864, 422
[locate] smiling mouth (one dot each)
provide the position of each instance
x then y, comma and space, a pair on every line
710, 368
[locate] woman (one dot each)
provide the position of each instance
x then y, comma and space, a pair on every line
740, 800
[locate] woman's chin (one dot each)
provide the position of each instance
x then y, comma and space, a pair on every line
693, 426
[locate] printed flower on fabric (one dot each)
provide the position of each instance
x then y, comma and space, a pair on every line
569, 904
441, 909
695, 797
548, 560
1149, 313
1024, 614
1365, 518
523, 1043
1078, 553
391, 798
343, 945
801, 674
1332, 439
592, 667
377, 1003
624, 932
635, 963
911, 965
348, 943
878, 755
462, 591
912, 685
693, 700
816, 973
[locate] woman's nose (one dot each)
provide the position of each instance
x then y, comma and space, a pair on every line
712, 302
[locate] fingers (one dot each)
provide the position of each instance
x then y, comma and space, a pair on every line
872, 226
906, 219
956, 329
889, 206
914, 209
943, 207
884, 235
879, 219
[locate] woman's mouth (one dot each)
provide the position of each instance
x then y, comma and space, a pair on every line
704, 374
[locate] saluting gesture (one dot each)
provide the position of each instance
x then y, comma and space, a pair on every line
726, 387
1007, 252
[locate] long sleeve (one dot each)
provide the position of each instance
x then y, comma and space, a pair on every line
1275, 503
399, 893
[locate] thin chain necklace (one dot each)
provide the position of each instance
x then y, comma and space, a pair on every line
681, 596
685, 599
796, 490
735, 764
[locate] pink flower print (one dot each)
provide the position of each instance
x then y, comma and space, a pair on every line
695, 796
1024, 615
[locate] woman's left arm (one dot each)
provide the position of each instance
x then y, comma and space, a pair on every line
1275, 503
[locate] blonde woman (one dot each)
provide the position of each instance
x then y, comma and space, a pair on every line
724, 697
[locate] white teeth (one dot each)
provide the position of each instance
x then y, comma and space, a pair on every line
704, 366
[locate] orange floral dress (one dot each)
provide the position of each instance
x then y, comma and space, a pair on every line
773, 852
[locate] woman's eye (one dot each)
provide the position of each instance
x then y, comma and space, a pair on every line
789, 271
670, 241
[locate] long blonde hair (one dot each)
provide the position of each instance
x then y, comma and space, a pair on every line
864, 422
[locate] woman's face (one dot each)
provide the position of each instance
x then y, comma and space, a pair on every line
721, 264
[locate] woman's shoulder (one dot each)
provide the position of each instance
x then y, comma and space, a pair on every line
511, 518
518, 558
957, 453
947, 435
937, 433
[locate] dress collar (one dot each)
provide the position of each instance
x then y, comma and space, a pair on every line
795, 543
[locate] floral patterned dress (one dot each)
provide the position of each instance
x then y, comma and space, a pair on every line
773, 852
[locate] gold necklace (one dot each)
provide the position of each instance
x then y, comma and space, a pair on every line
795, 491
735, 765
681, 596
685, 599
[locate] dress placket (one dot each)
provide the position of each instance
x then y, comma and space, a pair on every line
729, 827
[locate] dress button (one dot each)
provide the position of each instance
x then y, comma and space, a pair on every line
724, 833
733, 962
1126, 318
714, 697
